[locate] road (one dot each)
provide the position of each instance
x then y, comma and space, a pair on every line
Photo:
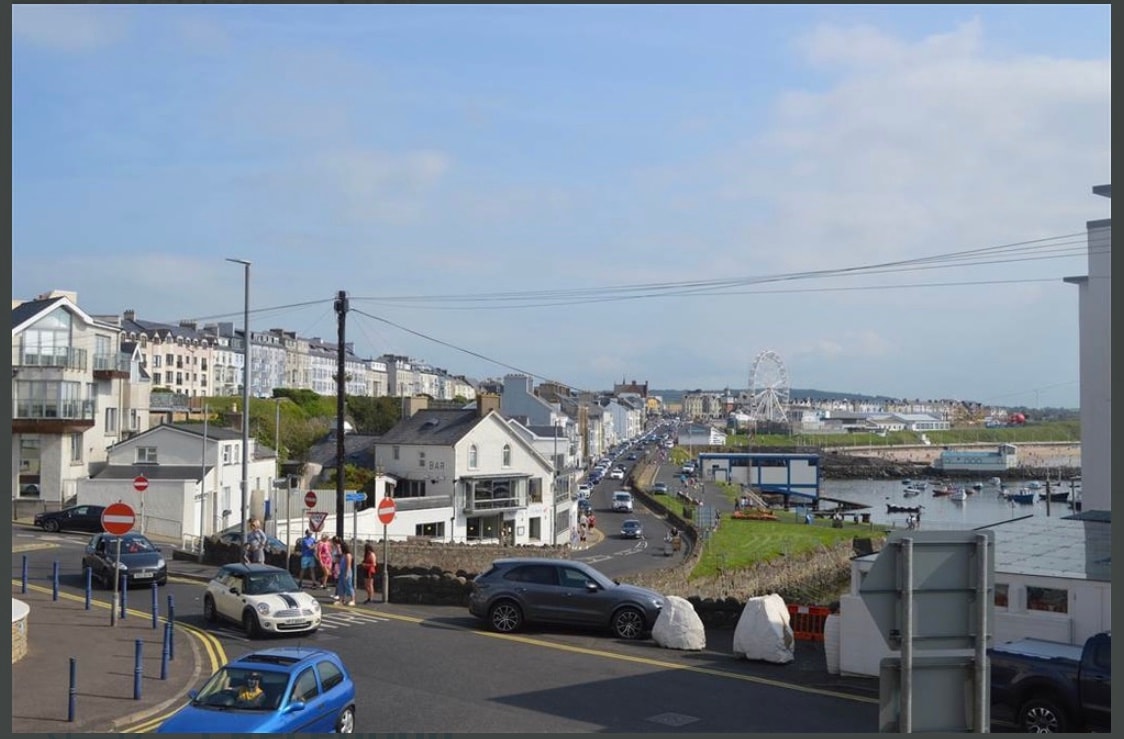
436, 669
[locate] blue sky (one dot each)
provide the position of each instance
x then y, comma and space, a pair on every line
590, 194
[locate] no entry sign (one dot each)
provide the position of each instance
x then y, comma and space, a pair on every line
386, 510
310, 499
140, 483
118, 519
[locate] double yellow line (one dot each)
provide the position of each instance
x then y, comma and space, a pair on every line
212, 647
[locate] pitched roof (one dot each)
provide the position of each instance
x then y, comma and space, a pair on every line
151, 471
432, 427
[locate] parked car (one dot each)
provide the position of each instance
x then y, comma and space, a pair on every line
622, 501
631, 528
273, 545
1048, 687
75, 518
659, 488
141, 561
584, 505
300, 689
632, 457
533, 590
584, 490
262, 598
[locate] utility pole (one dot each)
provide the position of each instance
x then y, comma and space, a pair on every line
341, 389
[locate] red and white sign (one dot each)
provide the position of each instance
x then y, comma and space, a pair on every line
118, 519
386, 510
316, 520
310, 500
140, 483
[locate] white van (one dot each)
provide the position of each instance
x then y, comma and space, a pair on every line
584, 491
622, 501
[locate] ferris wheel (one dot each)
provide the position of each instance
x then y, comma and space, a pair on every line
768, 382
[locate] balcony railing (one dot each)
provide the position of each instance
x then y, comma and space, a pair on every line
111, 363
68, 410
64, 358
422, 503
477, 505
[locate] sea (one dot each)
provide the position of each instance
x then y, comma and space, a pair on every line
983, 507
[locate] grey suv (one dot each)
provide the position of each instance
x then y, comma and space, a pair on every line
519, 591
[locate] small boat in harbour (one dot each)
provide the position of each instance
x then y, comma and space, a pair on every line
1034, 485
942, 490
1054, 497
1024, 496
995, 482
892, 508
914, 489
977, 486
958, 495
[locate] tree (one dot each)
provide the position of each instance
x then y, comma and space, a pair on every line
374, 415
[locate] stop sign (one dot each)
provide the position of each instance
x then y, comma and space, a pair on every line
386, 510
310, 499
118, 519
140, 483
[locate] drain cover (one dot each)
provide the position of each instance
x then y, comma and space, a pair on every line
673, 719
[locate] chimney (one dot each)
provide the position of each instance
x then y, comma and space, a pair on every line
185, 323
411, 405
130, 315
487, 402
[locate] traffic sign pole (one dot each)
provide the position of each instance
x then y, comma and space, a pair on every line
116, 584
385, 566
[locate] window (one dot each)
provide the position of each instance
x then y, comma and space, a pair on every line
155, 378
534, 492
473, 457
432, 530
535, 574
146, 455
156, 361
169, 360
534, 529
330, 675
226, 454
111, 420
76, 448
134, 420
572, 578
506, 461
1053, 600
421, 459
304, 689
396, 452
1001, 594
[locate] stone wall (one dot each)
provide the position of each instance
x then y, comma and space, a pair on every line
20, 612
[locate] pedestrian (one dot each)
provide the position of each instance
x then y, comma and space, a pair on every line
324, 558
255, 543
308, 558
370, 567
345, 586
336, 552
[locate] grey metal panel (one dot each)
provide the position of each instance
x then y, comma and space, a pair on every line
943, 694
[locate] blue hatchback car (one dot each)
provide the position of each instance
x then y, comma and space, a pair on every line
279, 690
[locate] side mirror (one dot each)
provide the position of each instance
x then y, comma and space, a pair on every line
192, 694
295, 706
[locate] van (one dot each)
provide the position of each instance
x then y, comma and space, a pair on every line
622, 501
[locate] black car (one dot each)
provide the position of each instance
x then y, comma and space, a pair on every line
75, 518
141, 560
631, 528
560, 591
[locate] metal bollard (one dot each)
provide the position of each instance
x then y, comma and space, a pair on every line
89, 586
138, 671
164, 654
155, 605
72, 700
23, 575
55, 580
124, 595
172, 625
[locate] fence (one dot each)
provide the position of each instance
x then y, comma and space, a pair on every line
808, 621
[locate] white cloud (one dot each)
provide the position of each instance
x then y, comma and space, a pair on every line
379, 185
70, 28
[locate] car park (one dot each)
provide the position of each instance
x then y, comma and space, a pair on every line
140, 561
631, 528
519, 591
273, 691
74, 518
622, 501
262, 598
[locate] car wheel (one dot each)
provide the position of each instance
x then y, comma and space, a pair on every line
505, 617
628, 623
210, 615
345, 724
51, 527
1042, 715
250, 623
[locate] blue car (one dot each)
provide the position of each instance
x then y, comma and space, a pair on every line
279, 690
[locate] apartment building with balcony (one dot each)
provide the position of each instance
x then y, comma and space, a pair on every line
178, 357
77, 389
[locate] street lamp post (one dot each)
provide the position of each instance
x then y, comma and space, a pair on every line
245, 391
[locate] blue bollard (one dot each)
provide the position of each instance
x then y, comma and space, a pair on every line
164, 654
89, 586
72, 702
155, 605
55, 580
172, 624
138, 671
23, 576
124, 595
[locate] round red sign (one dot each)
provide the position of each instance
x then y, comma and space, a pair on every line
140, 483
310, 499
118, 519
386, 510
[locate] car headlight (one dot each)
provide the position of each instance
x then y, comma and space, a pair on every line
122, 566
657, 603
262, 608
161, 564
315, 605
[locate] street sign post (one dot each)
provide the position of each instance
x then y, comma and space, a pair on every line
316, 520
117, 519
386, 510
310, 499
140, 484
355, 497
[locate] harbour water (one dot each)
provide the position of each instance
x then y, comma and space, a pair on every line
983, 507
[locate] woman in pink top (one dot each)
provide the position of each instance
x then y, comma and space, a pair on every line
324, 557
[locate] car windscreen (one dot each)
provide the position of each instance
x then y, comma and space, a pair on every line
263, 583
129, 545
231, 688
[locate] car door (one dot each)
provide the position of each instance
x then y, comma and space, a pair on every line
577, 602
97, 559
228, 599
88, 518
1096, 684
333, 693
314, 716
536, 587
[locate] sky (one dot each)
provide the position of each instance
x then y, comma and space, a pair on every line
883, 198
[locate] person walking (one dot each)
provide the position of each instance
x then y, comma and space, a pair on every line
324, 557
308, 559
345, 586
370, 567
255, 543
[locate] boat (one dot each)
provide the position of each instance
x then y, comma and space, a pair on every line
959, 495
892, 508
1034, 485
977, 486
995, 482
1054, 497
942, 490
1024, 496
914, 489
907, 481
